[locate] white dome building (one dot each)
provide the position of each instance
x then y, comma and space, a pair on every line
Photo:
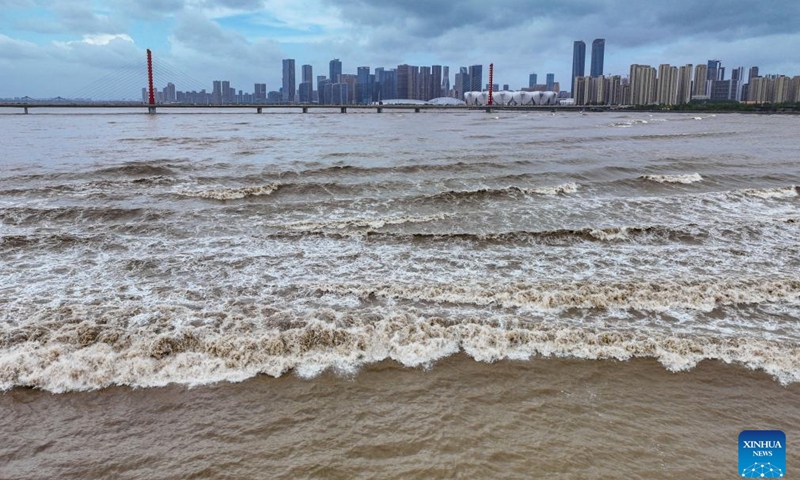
506, 98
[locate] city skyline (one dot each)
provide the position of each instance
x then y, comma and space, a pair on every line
644, 85
244, 40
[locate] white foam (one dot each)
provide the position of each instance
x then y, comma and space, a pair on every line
563, 189
372, 223
685, 179
148, 358
231, 193
781, 192
560, 296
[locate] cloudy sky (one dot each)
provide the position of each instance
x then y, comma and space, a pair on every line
69, 47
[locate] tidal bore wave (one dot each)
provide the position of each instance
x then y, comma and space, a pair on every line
86, 356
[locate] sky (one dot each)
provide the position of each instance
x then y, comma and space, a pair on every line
71, 48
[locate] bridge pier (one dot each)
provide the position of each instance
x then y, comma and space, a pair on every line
151, 110
344, 109
26, 110
380, 110
488, 109
258, 110
305, 109
416, 110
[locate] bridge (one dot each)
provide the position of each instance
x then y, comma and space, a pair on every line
28, 107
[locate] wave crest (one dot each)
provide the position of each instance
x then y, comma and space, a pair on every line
563, 189
781, 192
685, 179
88, 356
231, 193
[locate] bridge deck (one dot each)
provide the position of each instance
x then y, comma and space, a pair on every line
295, 107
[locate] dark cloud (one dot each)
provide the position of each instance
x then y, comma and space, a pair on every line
647, 23
522, 37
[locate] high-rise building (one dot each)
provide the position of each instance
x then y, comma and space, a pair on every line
436, 81
667, 85
339, 94
404, 81
685, 83
351, 81
305, 92
462, 82
615, 90
423, 91
599, 92
226, 92
700, 87
307, 74
737, 82
475, 78
753, 73
794, 89
715, 71
169, 93
322, 82
598, 52
578, 62
363, 86
260, 92
551, 82
642, 81
335, 68
581, 94
288, 90
445, 81
532, 78
388, 83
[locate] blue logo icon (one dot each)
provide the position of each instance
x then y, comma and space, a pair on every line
762, 454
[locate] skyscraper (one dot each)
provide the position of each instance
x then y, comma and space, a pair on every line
462, 82
753, 73
475, 78
260, 92
321, 83
226, 92
445, 81
423, 91
335, 70
405, 81
700, 84
363, 86
307, 75
685, 83
216, 93
667, 85
551, 82
578, 62
305, 92
715, 71
436, 81
532, 80
642, 80
598, 51
288, 91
